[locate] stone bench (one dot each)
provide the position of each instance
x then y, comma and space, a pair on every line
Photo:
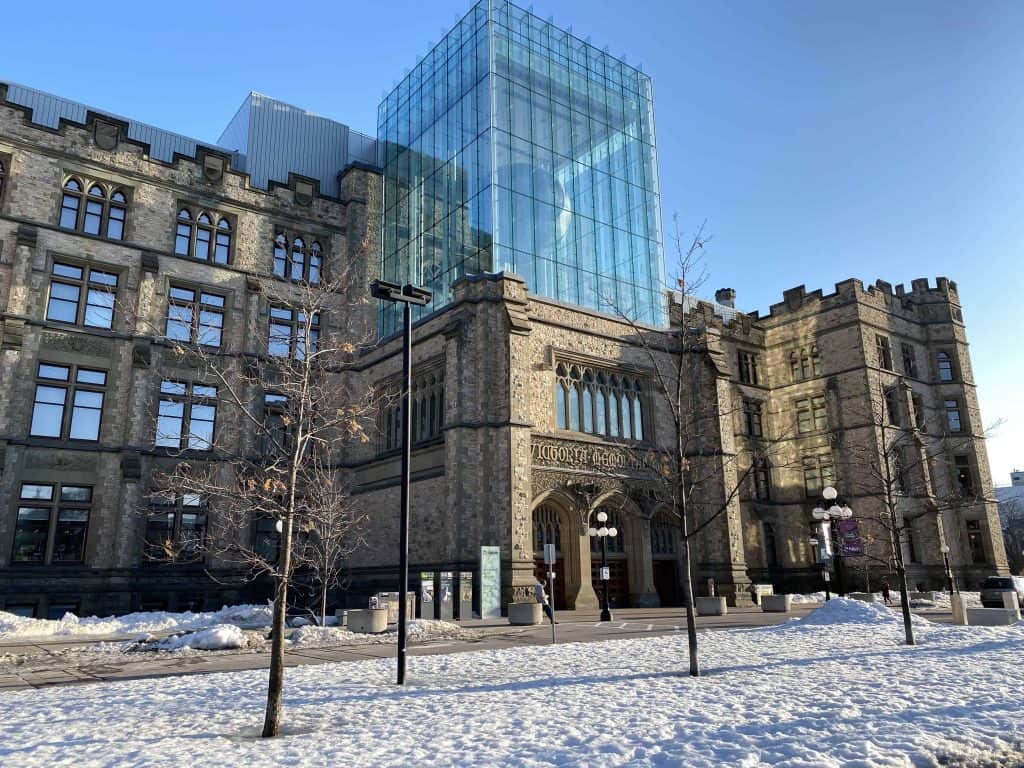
776, 603
992, 617
711, 606
525, 614
368, 620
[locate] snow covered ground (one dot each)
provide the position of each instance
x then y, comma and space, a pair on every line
837, 688
17, 628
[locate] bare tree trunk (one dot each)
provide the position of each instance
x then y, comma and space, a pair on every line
908, 627
691, 621
275, 686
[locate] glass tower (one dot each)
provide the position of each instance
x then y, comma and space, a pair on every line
514, 146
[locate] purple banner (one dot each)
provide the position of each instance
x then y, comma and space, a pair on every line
849, 538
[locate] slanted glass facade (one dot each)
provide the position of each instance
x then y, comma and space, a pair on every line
515, 146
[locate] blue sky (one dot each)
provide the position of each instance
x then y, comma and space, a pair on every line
820, 140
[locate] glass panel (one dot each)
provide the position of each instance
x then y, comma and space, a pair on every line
57, 372
86, 376
85, 415
69, 212
201, 391
182, 239
30, 534
67, 270
202, 244
93, 216
81, 493
48, 411
63, 303
37, 491
179, 323
115, 223
99, 309
172, 387
69, 536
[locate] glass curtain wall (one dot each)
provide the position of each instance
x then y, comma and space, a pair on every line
515, 146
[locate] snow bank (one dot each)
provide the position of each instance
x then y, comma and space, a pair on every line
420, 630
827, 697
15, 627
219, 638
843, 610
814, 597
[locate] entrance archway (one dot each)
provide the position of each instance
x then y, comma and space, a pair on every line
618, 563
547, 529
665, 558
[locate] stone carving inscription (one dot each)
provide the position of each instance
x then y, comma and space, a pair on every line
585, 456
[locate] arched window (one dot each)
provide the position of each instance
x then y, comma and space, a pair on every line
596, 402
427, 412
70, 204
201, 239
183, 234
94, 203
118, 213
663, 534
588, 402
94, 212
280, 255
616, 543
315, 262
301, 261
546, 528
297, 271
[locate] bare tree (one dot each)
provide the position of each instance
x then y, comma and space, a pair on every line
257, 439
900, 456
1011, 516
692, 478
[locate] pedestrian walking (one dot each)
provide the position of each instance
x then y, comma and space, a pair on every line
885, 592
542, 596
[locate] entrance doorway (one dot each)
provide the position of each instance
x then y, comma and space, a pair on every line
547, 529
664, 559
618, 583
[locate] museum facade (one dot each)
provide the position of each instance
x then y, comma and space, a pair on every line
514, 174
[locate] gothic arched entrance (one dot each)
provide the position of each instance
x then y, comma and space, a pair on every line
547, 529
618, 563
665, 558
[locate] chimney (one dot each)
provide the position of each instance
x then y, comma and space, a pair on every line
726, 297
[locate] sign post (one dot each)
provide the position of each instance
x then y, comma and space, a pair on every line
549, 558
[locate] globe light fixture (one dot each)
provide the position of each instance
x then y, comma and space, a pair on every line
603, 533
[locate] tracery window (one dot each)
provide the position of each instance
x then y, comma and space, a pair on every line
94, 208
805, 363
546, 528
300, 261
203, 235
599, 402
427, 398
663, 534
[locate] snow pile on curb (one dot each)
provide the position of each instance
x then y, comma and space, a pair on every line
222, 637
419, 631
15, 627
814, 597
843, 610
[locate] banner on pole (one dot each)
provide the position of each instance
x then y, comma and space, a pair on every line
850, 544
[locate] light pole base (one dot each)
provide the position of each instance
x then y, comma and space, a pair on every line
606, 615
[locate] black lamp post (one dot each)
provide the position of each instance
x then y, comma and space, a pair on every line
603, 533
832, 510
949, 571
407, 295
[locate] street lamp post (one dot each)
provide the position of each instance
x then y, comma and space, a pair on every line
949, 571
833, 511
408, 296
603, 533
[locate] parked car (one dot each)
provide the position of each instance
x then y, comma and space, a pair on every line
994, 587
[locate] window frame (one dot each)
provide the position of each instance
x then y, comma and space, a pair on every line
950, 411
963, 469
198, 306
294, 322
84, 285
944, 366
55, 506
883, 352
753, 417
310, 249
748, 367
909, 354
176, 509
71, 387
217, 225
606, 403
818, 463
188, 400
84, 199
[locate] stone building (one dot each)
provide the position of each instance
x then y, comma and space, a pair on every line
515, 175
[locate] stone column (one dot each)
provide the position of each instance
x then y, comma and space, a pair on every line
585, 598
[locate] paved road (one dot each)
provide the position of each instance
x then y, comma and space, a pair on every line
68, 662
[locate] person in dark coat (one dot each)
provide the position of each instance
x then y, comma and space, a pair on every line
885, 593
